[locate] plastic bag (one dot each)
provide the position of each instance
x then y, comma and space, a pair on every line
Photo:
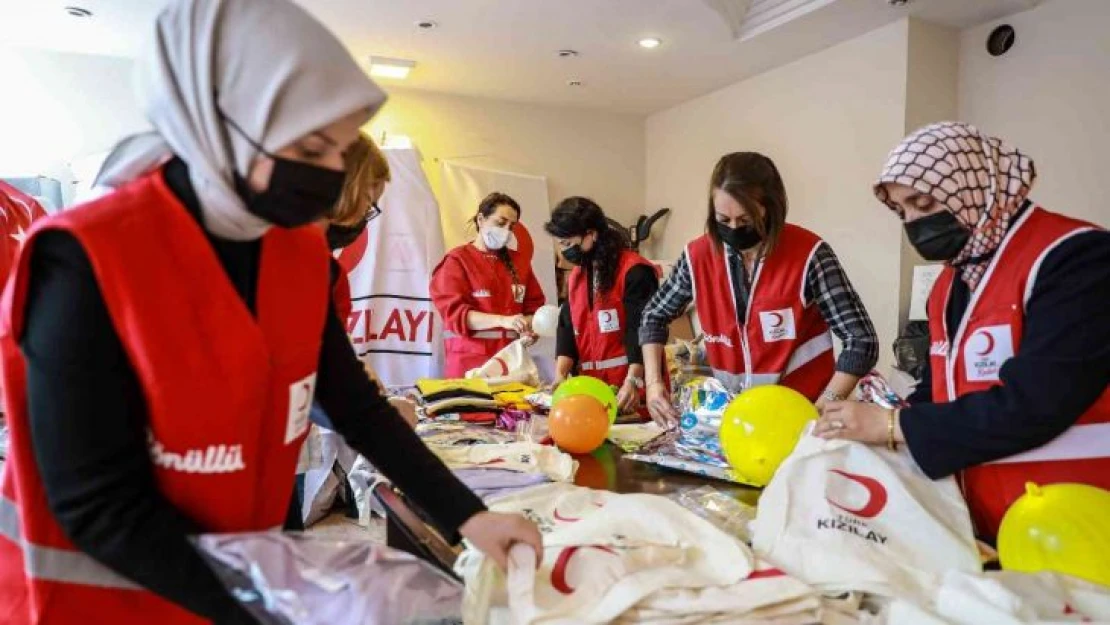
726, 512
512, 364
298, 579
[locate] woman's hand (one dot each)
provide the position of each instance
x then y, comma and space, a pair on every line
660, 407
856, 421
494, 534
517, 323
628, 398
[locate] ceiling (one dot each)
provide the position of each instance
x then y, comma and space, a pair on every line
506, 49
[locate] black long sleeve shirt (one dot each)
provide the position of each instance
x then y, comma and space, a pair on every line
88, 426
639, 285
1061, 367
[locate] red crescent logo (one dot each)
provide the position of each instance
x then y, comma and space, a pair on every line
504, 365
990, 342
876, 495
351, 256
778, 319
558, 517
307, 388
607, 316
559, 571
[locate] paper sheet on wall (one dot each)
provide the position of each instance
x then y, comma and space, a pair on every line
923, 278
464, 186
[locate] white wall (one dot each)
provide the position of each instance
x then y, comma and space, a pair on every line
1050, 96
581, 152
827, 121
59, 106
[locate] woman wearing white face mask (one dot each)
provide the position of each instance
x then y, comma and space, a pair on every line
162, 345
485, 292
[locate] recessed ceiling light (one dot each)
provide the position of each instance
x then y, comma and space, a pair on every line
426, 25
574, 83
78, 12
385, 67
650, 42
567, 53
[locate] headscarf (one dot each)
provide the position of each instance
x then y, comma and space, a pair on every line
981, 180
266, 65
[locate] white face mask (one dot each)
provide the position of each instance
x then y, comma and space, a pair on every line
496, 238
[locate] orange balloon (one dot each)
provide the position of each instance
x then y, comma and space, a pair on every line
578, 424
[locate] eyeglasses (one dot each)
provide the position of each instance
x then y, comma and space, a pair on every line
374, 212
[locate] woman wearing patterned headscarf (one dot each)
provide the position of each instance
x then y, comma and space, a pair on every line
162, 345
1019, 325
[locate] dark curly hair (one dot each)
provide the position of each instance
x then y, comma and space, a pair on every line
574, 217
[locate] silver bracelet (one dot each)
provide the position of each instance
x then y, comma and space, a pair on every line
830, 395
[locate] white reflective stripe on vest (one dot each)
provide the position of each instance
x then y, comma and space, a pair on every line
612, 363
1079, 442
482, 334
57, 565
734, 382
806, 352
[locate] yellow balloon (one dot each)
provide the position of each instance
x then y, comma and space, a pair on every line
760, 428
1059, 527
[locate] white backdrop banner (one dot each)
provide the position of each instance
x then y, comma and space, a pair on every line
393, 325
464, 186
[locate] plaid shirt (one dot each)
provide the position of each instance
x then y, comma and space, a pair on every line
826, 284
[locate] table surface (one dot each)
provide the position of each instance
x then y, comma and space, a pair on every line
607, 469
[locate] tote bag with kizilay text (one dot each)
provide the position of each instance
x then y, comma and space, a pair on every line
843, 516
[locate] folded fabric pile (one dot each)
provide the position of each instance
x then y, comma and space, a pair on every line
1006, 598
438, 434
513, 395
472, 400
308, 580
521, 457
631, 558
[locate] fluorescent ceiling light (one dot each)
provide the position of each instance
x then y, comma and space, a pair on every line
650, 42
385, 67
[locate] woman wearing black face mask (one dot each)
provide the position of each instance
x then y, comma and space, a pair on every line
1019, 384
767, 294
162, 345
598, 331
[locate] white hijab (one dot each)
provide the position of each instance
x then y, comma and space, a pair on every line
265, 64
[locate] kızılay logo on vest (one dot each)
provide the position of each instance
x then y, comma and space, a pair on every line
718, 338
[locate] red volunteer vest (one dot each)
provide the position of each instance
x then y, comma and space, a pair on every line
491, 291
599, 331
228, 395
989, 335
780, 339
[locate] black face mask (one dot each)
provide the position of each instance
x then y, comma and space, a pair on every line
340, 237
575, 255
742, 238
938, 237
298, 194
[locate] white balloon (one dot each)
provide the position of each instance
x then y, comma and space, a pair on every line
545, 321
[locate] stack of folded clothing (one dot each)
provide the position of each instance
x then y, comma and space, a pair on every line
512, 396
471, 400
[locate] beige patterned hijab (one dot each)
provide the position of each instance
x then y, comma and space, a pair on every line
982, 180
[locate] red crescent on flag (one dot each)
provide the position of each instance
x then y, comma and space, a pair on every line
524, 244
351, 256
876, 495
504, 365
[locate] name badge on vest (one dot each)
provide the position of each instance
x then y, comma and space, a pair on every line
608, 321
300, 404
518, 293
778, 325
480, 293
985, 351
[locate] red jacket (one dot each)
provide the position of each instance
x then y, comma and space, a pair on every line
228, 393
989, 334
470, 280
781, 338
17, 211
599, 330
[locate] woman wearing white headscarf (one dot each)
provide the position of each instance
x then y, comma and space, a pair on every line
1017, 389
162, 345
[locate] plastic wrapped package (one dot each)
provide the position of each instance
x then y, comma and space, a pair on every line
874, 389
298, 579
729, 514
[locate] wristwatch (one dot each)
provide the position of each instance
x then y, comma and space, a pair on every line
637, 382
